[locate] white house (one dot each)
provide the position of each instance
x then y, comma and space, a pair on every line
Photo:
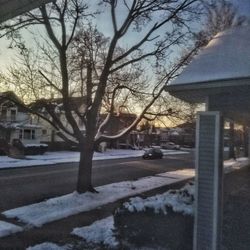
16, 123
49, 134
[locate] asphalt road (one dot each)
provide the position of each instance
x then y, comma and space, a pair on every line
33, 184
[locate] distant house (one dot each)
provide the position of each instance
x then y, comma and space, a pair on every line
49, 133
16, 123
183, 134
117, 123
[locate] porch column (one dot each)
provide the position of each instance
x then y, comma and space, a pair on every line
231, 140
209, 181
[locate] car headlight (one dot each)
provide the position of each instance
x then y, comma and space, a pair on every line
150, 154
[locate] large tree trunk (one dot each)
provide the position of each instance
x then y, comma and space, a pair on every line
84, 182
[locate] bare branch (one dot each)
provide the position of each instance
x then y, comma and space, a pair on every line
49, 81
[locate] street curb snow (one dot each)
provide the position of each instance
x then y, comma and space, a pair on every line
67, 157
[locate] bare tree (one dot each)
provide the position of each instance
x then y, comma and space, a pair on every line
85, 63
219, 16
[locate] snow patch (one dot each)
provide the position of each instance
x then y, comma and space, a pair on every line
235, 164
100, 232
36, 145
180, 201
8, 228
47, 246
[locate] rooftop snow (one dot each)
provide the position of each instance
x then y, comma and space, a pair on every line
226, 57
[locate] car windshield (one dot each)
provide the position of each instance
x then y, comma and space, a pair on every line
156, 150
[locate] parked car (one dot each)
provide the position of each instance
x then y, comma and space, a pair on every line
153, 153
171, 145
35, 149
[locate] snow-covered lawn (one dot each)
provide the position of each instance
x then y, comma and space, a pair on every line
102, 232
50, 158
99, 232
181, 201
74, 203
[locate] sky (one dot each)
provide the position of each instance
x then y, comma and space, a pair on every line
243, 5
7, 55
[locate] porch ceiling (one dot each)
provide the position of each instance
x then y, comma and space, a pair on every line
12, 8
199, 94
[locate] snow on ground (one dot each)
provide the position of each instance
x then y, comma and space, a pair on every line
8, 228
61, 207
47, 246
180, 200
231, 165
102, 231
74, 203
99, 232
50, 158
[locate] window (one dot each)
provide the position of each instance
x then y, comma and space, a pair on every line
33, 137
26, 134
20, 134
44, 132
4, 113
29, 134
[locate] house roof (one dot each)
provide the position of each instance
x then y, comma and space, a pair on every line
12, 8
9, 98
74, 102
219, 67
